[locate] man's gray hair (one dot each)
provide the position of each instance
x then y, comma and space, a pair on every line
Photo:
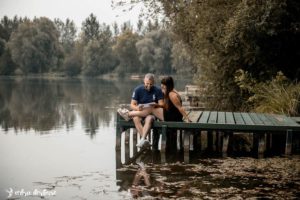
149, 76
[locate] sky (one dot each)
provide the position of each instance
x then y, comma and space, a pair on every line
76, 10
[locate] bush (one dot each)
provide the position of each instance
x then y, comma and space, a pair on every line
278, 96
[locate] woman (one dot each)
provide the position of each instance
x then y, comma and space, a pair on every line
173, 110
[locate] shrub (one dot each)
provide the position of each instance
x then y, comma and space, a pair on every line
278, 96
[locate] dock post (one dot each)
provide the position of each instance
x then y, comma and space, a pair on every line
163, 138
186, 141
119, 130
261, 143
186, 146
269, 141
127, 145
155, 138
225, 142
134, 140
210, 140
288, 144
197, 139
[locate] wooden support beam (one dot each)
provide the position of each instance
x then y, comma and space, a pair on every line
118, 159
288, 143
127, 145
225, 142
209, 140
269, 141
134, 140
119, 131
197, 139
155, 138
186, 141
163, 138
261, 143
179, 140
186, 157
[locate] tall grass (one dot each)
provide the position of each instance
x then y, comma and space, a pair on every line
278, 96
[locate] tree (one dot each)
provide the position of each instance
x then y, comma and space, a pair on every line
116, 29
126, 51
7, 26
154, 51
98, 55
7, 66
73, 62
182, 60
260, 37
90, 28
34, 46
67, 33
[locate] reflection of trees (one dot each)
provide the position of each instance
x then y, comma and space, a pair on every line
30, 105
98, 96
43, 105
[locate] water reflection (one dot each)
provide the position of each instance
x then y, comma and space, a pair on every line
211, 178
44, 105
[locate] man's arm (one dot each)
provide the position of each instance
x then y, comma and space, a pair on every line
134, 105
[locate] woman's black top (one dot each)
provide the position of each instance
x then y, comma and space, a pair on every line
172, 113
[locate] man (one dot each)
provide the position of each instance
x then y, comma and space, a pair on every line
146, 103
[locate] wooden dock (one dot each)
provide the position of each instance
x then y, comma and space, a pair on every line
223, 125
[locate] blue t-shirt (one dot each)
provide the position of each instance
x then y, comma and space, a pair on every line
141, 95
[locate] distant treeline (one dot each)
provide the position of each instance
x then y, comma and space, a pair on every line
42, 46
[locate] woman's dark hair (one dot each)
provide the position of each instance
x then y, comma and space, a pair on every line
169, 83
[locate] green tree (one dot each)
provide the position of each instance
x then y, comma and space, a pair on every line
34, 46
260, 37
116, 30
126, 52
98, 55
90, 29
182, 60
154, 51
67, 31
126, 26
73, 62
7, 66
7, 26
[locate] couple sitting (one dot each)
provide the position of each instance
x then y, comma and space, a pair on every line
149, 102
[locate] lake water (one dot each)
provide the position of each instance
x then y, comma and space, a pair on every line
57, 141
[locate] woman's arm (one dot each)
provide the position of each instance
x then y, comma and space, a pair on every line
176, 101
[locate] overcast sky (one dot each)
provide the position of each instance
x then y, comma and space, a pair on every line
77, 10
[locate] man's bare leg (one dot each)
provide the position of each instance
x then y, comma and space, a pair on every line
147, 126
140, 113
138, 125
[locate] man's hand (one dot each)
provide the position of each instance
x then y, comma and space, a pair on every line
140, 107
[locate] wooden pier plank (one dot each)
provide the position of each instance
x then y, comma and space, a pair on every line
238, 118
221, 118
229, 118
195, 115
272, 119
284, 120
204, 117
256, 119
265, 119
213, 117
247, 118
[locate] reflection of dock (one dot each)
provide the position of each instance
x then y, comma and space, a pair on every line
210, 131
